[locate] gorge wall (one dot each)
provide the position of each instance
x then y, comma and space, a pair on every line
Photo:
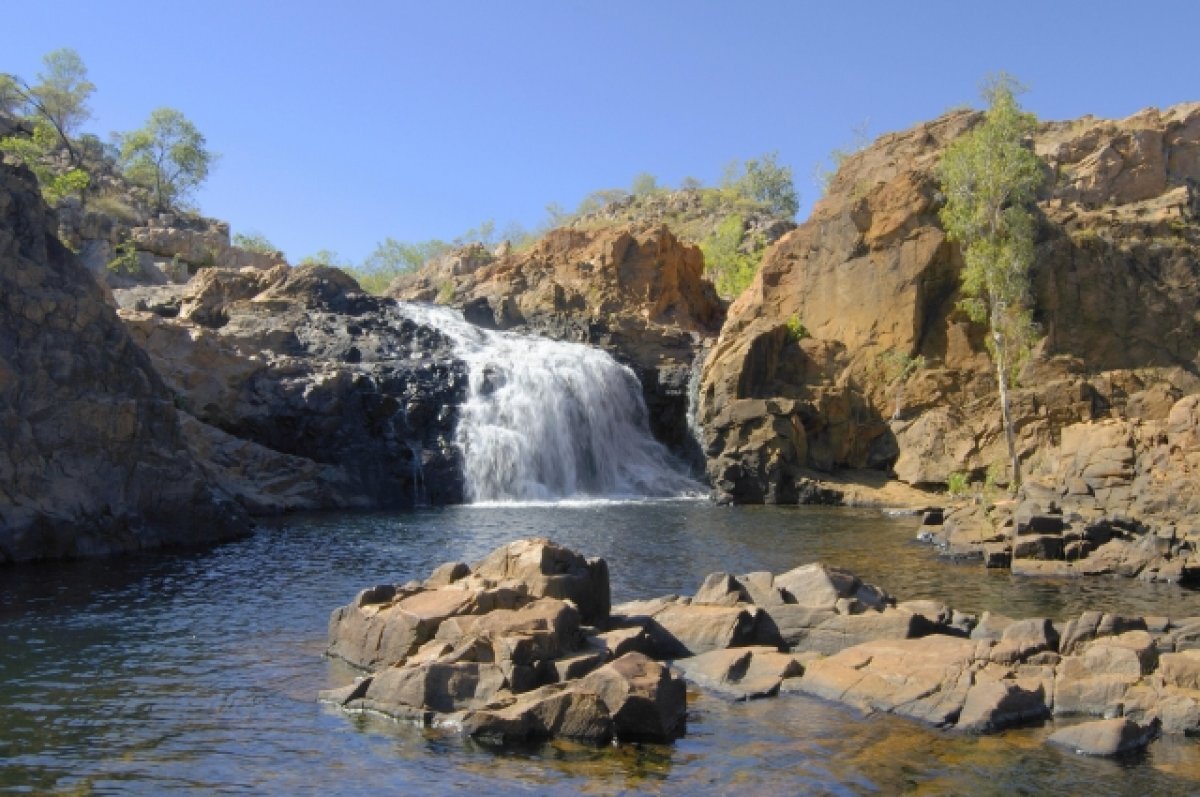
872, 280
93, 457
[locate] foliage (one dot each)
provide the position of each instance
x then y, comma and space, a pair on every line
599, 200
325, 257
33, 151
125, 261
957, 483
643, 184
254, 242
764, 181
729, 268
796, 329
58, 99
168, 155
445, 293
990, 178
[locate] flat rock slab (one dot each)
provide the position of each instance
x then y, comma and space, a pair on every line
741, 673
925, 679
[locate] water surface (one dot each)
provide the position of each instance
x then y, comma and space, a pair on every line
197, 673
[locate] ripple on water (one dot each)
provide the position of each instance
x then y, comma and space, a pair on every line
197, 673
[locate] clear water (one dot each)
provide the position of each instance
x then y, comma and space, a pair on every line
197, 673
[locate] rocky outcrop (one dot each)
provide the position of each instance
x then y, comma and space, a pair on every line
524, 646
1113, 496
310, 393
634, 290
93, 456
506, 651
809, 373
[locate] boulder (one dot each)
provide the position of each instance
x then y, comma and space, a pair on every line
543, 714
682, 629
646, 701
741, 673
1105, 737
995, 705
546, 569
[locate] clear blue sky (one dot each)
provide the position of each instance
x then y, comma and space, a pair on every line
337, 128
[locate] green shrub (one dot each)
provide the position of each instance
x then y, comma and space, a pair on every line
796, 329
730, 269
957, 483
126, 261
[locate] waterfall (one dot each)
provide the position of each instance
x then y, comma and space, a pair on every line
547, 420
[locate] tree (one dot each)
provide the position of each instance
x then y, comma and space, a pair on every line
59, 98
644, 184
990, 178
766, 182
169, 156
254, 242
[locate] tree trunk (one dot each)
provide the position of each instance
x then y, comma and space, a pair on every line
1010, 435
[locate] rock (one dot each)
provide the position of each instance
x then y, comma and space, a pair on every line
741, 673
1181, 669
995, 705
691, 629
93, 457
872, 276
646, 701
822, 586
336, 383
842, 631
1105, 737
407, 691
926, 679
550, 570
634, 289
1092, 625
543, 714
1023, 638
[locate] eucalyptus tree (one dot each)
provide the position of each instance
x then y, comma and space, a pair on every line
169, 156
990, 178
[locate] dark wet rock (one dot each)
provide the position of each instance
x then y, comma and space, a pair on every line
302, 363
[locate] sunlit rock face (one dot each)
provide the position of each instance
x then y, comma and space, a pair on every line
802, 381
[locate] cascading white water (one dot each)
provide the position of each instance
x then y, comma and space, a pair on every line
548, 420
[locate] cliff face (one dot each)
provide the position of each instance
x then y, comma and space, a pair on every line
92, 456
634, 290
872, 279
306, 393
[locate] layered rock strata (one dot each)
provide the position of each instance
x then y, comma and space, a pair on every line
810, 373
93, 456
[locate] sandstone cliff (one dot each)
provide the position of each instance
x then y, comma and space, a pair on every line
634, 290
871, 278
93, 459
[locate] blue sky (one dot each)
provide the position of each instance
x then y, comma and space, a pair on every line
337, 128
